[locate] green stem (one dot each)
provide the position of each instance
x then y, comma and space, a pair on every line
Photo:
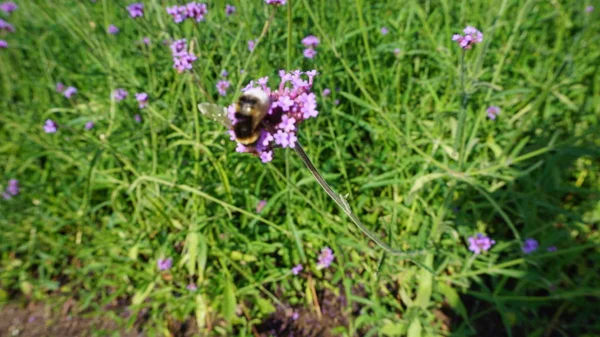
462, 114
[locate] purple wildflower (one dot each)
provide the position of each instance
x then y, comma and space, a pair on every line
397, 51
50, 126
3, 44
480, 243
182, 59
69, 92
192, 10
137, 118
276, 2
530, 246
60, 87
309, 53
222, 87
12, 189
325, 258
297, 269
311, 41
191, 287
89, 125
224, 73
472, 36
142, 99
229, 9
261, 204
336, 102
164, 264
492, 112
136, 10
251, 44
326, 92
6, 26
552, 248
589, 9
112, 29
384, 31
8, 7
120, 94
146, 40
295, 315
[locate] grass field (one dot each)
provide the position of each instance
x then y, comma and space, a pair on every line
138, 209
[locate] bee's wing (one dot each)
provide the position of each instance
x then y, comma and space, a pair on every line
216, 113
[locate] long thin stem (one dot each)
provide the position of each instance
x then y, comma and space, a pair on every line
343, 204
462, 115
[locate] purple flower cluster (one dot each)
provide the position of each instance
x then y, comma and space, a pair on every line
182, 59
480, 243
472, 36
297, 269
276, 2
112, 29
325, 258
492, 112
8, 7
6, 26
142, 99
229, 9
69, 92
3, 44
12, 189
251, 44
530, 245
289, 107
50, 126
222, 87
384, 31
261, 204
192, 10
120, 94
89, 125
311, 42
136, 10
164, 264
589, 9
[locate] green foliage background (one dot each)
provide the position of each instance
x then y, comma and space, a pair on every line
98, 208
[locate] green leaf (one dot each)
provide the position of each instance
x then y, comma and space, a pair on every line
414, 329
422, 180
393, 329
453, 299
192, 252
200, 311
425, 279
140, 296
228, 308
264, 306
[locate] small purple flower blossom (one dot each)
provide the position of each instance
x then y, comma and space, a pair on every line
276, 2
89, 125
224, 73
69, 92
112, 29
384, 31
480, 243
229, 9
182, 59
120, 94
493, 112
261, 204
326, 92
164, 264
193, 10
472, 36
222, 87
6, 26
8, 7
530, 245
12, 189
60, 87
136, 10
191, 287
50, 126
552, 248
336, 102
311, 41
142, 99
397, 51
325, 258
146, 41
3, 44
295, 315
137, 118
309, 53
297, 269
589, 9
251, 45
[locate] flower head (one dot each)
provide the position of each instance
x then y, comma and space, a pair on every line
384, 31
229, 9
480, 243
164, 264
89, 125
60, 87
193, 10
3, 44
325, 258
69, 92
472, 36
326, 92
309, 53
276, 2
397, 51
137, 118
251, 44
529, 246
12, 189
136, 10
297, 269
8, 7
191, 287
112, 29
6, 26
146, 40
589, 9
222, 87
182, 59
492, 112
142, 99
261, 204
120, 94
311, 41
50, 126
